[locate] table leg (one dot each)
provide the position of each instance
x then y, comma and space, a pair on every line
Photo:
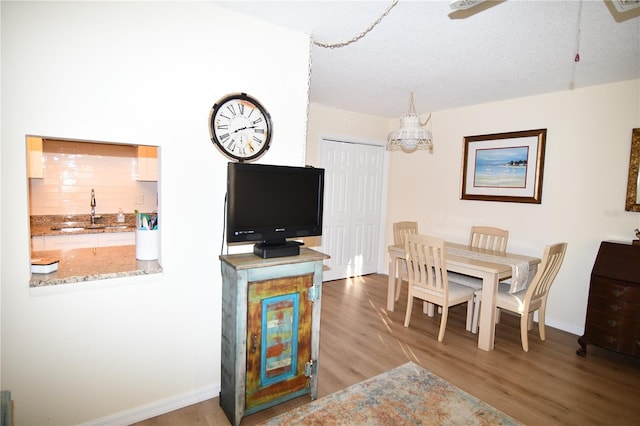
391, 286
486, 332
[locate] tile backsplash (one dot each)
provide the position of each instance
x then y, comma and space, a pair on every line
72, 169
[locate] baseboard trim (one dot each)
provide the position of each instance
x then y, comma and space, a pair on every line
157, 408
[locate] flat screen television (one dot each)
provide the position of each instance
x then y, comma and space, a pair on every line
268, 204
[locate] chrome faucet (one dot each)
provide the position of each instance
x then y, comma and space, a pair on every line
93, 207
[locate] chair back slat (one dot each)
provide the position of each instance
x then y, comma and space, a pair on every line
547, 270
401, 229
426, 263
489, 238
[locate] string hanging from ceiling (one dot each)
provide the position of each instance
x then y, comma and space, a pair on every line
410, 136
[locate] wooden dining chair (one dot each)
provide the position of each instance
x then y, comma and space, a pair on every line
400, 230
428, 281
486, 237
531, 299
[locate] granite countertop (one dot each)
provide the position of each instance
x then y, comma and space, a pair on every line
89, 264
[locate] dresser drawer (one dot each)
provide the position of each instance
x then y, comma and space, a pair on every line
608, 308
608, 288
625, 320
620, 341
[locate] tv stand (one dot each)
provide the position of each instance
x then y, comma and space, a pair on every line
281, 249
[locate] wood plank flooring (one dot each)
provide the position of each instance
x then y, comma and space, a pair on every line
549, 385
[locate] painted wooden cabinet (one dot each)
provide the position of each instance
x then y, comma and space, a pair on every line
270, 330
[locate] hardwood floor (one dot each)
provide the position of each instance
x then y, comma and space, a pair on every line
549, 385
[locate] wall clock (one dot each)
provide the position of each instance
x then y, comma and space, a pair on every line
240, 127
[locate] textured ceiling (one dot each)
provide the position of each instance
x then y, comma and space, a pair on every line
495, 51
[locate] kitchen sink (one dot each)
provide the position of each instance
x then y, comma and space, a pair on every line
67, 229
75, 226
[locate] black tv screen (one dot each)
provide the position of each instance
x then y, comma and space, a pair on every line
267, 204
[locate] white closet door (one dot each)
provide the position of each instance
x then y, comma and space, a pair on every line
352, 207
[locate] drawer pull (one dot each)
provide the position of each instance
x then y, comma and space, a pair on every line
618, 293
612, 323
615, 308
611, 339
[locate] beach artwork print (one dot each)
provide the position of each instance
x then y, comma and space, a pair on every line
504, 166
501, 167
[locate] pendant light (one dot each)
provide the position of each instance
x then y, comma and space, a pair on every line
410, 136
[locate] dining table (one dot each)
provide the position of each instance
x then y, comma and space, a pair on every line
489, 265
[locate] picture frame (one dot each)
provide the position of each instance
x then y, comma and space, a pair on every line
504, 167
632, 203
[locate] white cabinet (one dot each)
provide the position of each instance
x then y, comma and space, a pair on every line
37, 243
147, 163
34, 157
61, 242
109, 239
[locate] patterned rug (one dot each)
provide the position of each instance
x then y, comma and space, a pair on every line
406, 395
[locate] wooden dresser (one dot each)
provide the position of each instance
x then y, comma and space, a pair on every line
613, 311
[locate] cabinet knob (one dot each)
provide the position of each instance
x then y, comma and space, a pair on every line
618, 293
615, 308
612, 323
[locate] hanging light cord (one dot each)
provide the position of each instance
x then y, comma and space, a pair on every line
412, 110
358, 36
577, 57
336, 45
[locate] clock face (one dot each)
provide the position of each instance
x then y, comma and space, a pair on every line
240, 127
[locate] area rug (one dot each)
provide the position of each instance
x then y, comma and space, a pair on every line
406, 395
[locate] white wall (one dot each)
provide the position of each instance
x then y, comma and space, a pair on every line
141, 73
584, 186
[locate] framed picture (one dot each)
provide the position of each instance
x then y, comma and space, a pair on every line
504, 166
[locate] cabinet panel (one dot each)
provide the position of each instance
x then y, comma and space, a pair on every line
61, 242
278, 338
109, 239
147, 163
35, 167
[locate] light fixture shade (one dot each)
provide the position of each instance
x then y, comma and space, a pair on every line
410, 136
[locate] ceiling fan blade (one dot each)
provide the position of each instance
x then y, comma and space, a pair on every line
624, 5
468, 4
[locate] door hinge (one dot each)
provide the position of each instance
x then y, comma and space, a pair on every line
310, 368
313, 293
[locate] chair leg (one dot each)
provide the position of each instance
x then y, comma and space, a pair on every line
407, 317
524, 328
399, 270
476, 312
443, 323
470, 311
428, 308
541, 323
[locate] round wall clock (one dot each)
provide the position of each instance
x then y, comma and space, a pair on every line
240, 127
